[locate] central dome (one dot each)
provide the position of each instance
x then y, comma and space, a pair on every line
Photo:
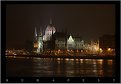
49, 31
50, 28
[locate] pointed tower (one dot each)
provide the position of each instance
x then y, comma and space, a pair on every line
40, 42
70, 43
35, 41
35, 33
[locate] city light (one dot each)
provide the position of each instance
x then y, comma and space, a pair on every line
109, 49
101, 50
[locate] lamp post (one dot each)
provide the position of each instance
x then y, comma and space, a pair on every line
109, 51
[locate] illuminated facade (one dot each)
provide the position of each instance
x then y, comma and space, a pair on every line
70, 43
93, 47
35, 41
40, 43
79, 43
60, 43
58, 40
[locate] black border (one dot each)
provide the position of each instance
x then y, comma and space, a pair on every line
59, 79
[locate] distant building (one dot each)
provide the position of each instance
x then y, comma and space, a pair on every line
53, 40
79, 43
107, 41
75, 43
60, 43
92, 47
59, 40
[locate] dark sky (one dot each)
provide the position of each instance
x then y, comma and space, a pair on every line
90, 21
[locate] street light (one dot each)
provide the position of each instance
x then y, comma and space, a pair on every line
109, 49
101, 50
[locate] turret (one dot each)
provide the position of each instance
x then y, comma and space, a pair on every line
35, 34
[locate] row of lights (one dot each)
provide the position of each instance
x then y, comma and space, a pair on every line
100, 50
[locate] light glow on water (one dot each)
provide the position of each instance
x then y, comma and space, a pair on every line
58, 58
72, 59
94, 71
36, 58
67, 59
44, 67
100, 61
81, 60
110, 62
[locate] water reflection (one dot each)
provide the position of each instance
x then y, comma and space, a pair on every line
110, 62
59, 67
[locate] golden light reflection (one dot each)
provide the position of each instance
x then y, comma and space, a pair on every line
94, 62
76, 59
86, 59
109, 49
58, 58
67, 59
100, 72
100, 61
72, 59
81, 60
110, 61
20, 57
94, 71
36, 58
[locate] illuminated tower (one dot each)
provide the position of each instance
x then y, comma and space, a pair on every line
35, 34
40, 43
70, 43
35, 41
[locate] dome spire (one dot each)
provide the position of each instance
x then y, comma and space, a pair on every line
40, 31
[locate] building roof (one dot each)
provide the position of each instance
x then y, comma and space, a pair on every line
59, 34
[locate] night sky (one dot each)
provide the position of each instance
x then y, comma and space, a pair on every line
89, 21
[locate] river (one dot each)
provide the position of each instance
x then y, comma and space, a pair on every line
59, 67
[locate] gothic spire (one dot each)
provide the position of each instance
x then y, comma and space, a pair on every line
40, 31
35, 33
